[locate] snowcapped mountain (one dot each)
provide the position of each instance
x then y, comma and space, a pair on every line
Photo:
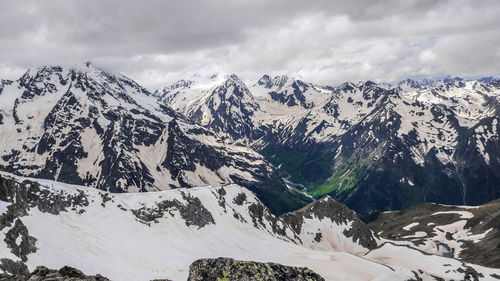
244, 114
375, 146
375, 149
289, 91
144, 236
83, 125
224, 106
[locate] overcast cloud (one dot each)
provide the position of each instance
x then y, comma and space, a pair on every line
323, 41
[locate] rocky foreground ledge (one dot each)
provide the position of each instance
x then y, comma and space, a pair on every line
225, 269
41, 273
229, 269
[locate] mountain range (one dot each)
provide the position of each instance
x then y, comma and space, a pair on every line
372, 146
211, 177
83, 125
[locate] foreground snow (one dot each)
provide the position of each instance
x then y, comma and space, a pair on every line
108, 237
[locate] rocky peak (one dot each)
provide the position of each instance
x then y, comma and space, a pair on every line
236, 93
303, 86
409, 83
90, 79
234, 80
328, 208
369, 83
265, 81
274, 83
181, 84
279, 81
347, 87
176, 86
490, 80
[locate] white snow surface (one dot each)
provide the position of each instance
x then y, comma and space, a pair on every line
410, 226
115, 243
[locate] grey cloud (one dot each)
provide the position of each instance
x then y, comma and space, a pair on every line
322, 41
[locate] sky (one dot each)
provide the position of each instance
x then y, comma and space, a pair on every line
157, 42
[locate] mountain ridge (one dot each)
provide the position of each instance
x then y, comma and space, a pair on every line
429, 128
84, 125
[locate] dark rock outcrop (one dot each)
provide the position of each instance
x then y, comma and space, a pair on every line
193, 212
229, 269
66, 273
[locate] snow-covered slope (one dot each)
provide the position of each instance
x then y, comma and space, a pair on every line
468, 233
142, 236
83, 125
283, 97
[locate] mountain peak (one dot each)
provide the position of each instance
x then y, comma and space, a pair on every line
276, 82
369, 83
265, 80
347, 87
47, 70
328, 208
280, 81
233, 77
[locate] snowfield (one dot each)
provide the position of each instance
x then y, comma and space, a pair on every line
108, 237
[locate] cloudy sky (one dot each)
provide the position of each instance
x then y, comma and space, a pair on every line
322, 41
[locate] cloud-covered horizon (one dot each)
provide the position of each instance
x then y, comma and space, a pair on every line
326, 42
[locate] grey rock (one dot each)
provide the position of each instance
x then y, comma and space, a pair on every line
230, 269
66, 273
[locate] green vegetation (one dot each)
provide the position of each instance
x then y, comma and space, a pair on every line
342, 180
411, 195
280, 201
361, 182
303, 168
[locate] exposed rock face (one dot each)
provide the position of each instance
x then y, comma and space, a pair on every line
66, 273
12, 268
27, 243
193, 212
336, 213
25, 195
229, 269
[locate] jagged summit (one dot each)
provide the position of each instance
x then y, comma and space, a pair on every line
277, 82
265, 80
233, 78
347, 87
451, 79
